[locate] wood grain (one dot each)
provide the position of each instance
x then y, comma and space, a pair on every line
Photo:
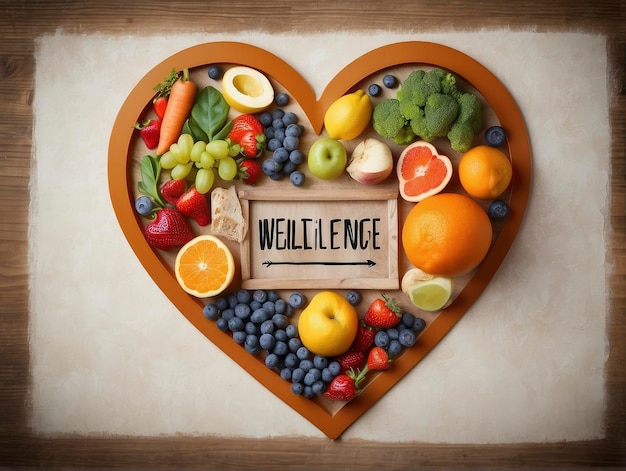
21, 22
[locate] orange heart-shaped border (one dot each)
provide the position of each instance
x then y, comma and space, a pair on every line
411, 52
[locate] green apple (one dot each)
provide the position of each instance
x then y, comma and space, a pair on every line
327, 158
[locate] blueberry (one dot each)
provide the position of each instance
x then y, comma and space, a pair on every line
294, 344
407, 338
291, 360
222, 324
291, 143
302, 353
296, 299
235, 324
277, 175
281, 155
228, 313
252, 340
281, 335
395, 347
334, 367
251, 349
270, 166
272, 360
232, 300
244, 296
269, 133
285, 373
297, 178
221, 303
296, 156
495, 136
254, 305
270, 307
498, 210
407, 320
308, 392
318, 387
297, 375
251, 328
266, 119
374, 90
305, 364
393, 333
293, 130
267, 341
259, 316
280, 306
320, 362
278, 113
297, 388
312, 375
381, 339
419, 324
289, 167
274, 143
215, 72
242, 311
278, 124
273, 296
280, 320
390, 81
327, 375
239, 337
292, 331
290, 118
353, 297
281, 349
267, 327
210, 311
281, 99
143, 205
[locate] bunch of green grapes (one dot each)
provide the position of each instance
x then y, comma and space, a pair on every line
212, 159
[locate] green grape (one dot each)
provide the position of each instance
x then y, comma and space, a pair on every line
197, 150
218, 149
185, 143
178, 153
204, 180
227, 168
168, 161
206, 160
181, 171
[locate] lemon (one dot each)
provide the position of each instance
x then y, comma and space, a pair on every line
348, 116
431, 295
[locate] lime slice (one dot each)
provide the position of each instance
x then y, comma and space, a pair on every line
431, 295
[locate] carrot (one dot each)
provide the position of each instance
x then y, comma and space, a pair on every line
181, 99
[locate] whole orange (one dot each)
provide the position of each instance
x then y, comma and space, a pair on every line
485, 172
447, 234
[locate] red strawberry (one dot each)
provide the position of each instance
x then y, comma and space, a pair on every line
251, 145
171, 190
378, 359
351, 360
170, 229
341, 388
383, 313
195, 205
364, 339
150, 131
249, 170
158, 105
243, 124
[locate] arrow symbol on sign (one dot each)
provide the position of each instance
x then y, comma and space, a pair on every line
369, 263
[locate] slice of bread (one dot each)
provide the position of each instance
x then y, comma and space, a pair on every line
226, 214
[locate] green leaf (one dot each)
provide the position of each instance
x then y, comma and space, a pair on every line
210, 111
223, 134
150, 173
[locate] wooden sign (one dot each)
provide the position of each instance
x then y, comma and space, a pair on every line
320, 239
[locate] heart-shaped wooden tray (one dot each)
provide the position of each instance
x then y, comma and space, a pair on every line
125, 151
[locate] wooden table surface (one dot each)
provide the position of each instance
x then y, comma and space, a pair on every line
21, 21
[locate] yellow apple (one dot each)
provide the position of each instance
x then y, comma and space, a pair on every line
328, 325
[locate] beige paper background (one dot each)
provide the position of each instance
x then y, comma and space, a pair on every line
110, 355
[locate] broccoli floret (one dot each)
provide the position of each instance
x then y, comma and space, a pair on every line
405, 136
419, 85
440, 112
420, 126
387, 119
468, 123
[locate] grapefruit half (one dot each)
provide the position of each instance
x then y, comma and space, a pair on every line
422, 171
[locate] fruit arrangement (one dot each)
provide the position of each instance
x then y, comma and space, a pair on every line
423, 132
